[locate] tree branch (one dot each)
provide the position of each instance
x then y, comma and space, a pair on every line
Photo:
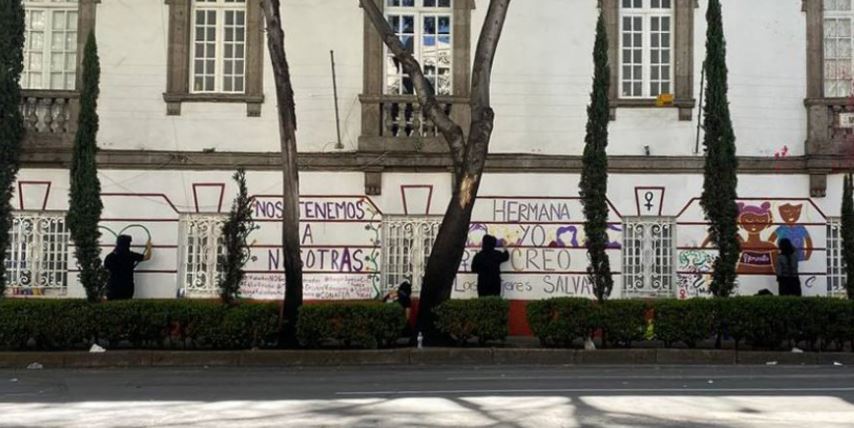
487, 44
424, 92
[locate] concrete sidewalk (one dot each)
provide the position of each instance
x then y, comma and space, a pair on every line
412, 356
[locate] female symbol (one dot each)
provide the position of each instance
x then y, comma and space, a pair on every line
648, 197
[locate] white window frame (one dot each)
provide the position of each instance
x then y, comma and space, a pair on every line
646, 14
836, 272
200, 269
402, 260
48, 51
37, 256
219, 8
419, 11
649, 260
838, 68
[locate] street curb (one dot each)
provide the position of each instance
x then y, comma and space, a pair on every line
416, 357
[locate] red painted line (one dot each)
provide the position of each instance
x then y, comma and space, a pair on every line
561, 223
751, 273
743, 248
531, 272
701, 223
142, 220
314, 272
141, 246
370, 247
138, 271
146, 195
274, 220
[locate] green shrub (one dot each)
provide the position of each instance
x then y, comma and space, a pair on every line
622, 321
484, 318
687, 321
76, 324
558, 322
350, 324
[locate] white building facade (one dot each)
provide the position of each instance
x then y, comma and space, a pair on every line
187, 96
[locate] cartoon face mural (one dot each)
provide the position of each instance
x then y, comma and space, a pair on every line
758, 256
794, 232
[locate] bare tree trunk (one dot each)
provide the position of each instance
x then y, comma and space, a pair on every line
290, 173
468, 155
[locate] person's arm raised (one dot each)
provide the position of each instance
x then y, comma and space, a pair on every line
147, 254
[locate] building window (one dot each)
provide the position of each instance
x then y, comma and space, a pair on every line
50, 48
646, 62
648, 257
407, 242
424, 27
215, 53
219, 46
836, 275
37, 255
651, 53
837, 48
201, 252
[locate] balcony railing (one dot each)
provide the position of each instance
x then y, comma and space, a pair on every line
398, 122
50, 117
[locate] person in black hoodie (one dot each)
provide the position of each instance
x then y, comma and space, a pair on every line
120, 263
487, 265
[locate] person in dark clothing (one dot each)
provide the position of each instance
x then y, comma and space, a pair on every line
401, 296
120, 263
787, 270
487, 265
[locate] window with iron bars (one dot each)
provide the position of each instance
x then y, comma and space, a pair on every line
201, 250
836, 272
407, 242
37, 254
648, 257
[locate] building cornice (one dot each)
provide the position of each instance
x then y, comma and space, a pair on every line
419, 162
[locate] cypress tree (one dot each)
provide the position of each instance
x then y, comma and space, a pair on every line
594, 175
720, 179
11, 121
847, 232
84, 208
235, 232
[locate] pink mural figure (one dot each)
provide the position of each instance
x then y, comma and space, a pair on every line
794, 232
757, 255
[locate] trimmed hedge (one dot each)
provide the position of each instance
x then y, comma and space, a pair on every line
484, 318
561, 321
350, 324
76, 324
762, 322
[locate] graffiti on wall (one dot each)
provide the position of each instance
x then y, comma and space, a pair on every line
340, 240
545, 240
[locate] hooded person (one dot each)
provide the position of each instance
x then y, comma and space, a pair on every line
787, 269
487, 265
120, 263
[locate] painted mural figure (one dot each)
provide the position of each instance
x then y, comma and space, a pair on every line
757, 255
487, 265
120, 263
787, 270
797, 234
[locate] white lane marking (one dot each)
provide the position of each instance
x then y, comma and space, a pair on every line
665, 377
590, 390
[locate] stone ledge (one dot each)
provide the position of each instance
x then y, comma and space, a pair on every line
410, 356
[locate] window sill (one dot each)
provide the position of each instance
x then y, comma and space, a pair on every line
685, 106
174, 101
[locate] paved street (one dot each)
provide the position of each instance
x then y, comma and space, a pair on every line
763, 396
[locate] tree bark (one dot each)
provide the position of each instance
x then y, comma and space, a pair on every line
290, 173
468, 155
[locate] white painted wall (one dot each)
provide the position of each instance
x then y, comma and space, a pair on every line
540, 89
158, 199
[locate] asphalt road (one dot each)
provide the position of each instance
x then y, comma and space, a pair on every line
704, 397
